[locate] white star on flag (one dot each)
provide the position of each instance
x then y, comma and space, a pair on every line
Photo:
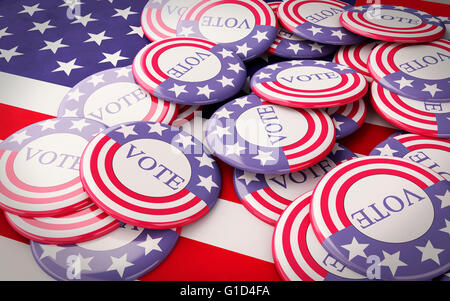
386, 151
205, 160
207, 183
403, 82
124, 12
260, 36
263, 157
234, 149
84, 20
355, 249
97, 38
3, 32
150, 244
113, 58
30, 10
178, 89
430, 252
205, 90
79, 124
156, 128
119, 264
50, 251
244, 49
185, 140
294, 47
315, 30
432, 89
445, 199
248, 177
392, 261
41, 27
67, 67
136, 30
126, 130
8, 54
53, 46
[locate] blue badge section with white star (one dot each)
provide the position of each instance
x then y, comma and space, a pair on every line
124, 254
68, 40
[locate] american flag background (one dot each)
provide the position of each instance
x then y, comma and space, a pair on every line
45, 50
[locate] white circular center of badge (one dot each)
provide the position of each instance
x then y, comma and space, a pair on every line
151, 167
114, 103
325, 260
399, 205
309, 78
323, 14
113, 240
423, 61
188, 64
291, 185
435, 159
173, 10
50, 160
392, 18
271, 126
227, 23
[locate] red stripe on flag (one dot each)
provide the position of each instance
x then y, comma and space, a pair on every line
14, 119
196, 261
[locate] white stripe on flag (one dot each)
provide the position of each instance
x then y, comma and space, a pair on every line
17, 262
31, 94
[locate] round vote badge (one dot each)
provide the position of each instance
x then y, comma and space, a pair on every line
388, 210
39, 167
189, 71
112, 97
253, 135
356, 57
77, 226
392, 23
150, 175
433, 153
317, 21
416, 71
349, 118
420, 117
266, 196
127, 253
247, 27
297, 252
309, 84
291, 46
159, 18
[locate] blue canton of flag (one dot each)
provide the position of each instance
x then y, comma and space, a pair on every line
64, 41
